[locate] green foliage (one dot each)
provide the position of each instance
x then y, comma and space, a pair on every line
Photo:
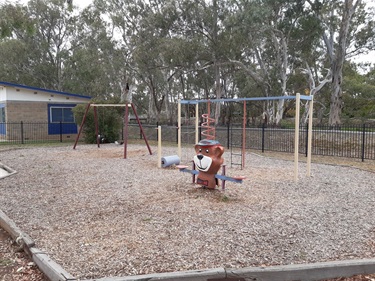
359, 93
109, 122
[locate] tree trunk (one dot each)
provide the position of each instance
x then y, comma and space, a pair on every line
337, 61
336, 101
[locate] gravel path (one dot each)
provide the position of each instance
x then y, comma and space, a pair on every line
100, 215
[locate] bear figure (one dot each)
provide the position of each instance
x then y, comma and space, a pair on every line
208, 161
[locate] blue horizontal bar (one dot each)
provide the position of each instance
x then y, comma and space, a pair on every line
302, 97
220, 177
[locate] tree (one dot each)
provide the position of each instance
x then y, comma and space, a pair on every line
348, 29
276, 35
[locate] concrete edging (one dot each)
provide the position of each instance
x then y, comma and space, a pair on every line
303, 272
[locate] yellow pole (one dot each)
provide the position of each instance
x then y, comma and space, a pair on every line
196, 123
296, 138
243, 135
159, 146
179, 129
309, 139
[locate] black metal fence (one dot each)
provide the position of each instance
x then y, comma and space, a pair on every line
357, 141
35, 132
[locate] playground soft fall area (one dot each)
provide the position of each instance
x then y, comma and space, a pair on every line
100, 215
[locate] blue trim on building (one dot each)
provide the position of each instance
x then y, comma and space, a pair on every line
44, 90
3, 125
58, 128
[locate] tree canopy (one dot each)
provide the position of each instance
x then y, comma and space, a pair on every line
171, 49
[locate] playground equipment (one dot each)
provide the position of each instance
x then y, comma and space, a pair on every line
208, 158
223, 177
126, 124
167, 161
209, 131
297, 98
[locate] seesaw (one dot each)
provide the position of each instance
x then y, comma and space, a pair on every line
222, 177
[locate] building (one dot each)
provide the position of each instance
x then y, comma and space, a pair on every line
22, 107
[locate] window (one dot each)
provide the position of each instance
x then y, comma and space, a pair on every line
61, 119
61, 114
2, 120
2, 113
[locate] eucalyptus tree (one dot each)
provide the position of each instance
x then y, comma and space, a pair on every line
44, 50
15, 25
358, 93
348, 30
50, 45
270, 34
94, 66
139, 40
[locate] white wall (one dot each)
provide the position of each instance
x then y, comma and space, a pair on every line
21, 94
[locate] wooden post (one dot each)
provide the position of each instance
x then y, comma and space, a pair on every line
196, 123
309, 140
159, 146
296, 137
179, 129
243, 135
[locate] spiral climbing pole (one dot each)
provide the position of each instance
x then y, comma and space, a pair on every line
208, 131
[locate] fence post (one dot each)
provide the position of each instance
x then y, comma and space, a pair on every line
61, 131
22, 138
363, 142
200, 131
263, 130
307, 139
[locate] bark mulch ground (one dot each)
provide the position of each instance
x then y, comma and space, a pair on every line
15, 265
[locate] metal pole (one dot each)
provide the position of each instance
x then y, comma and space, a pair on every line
228, 131
81, 127
140, 126
263, 132
22, 136
61, 131
96, 126
126, 130
363, 142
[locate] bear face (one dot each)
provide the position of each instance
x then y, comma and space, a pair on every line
208, 156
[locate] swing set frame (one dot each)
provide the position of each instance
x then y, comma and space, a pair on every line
126, 124
298, 97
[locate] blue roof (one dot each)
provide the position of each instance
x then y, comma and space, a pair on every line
41, 89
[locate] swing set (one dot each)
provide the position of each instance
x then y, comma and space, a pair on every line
126, 124
208, 132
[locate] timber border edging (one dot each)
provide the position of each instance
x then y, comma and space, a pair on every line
306, 272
